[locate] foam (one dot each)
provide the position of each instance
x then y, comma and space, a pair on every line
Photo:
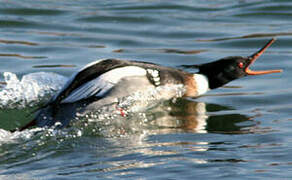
30, 90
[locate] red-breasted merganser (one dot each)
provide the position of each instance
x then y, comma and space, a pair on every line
101, 82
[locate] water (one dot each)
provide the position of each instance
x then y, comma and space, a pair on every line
237, 132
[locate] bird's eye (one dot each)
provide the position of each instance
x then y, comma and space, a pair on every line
240, 65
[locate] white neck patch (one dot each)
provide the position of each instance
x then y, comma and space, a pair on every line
202, 83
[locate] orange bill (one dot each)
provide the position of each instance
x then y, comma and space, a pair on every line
255, 56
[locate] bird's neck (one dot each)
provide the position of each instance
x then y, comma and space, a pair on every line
196, 85
202, 83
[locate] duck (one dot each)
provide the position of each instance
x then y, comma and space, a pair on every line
104, 81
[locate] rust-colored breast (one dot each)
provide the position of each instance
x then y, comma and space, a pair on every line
191, 86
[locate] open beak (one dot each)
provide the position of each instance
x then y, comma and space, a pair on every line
255, 56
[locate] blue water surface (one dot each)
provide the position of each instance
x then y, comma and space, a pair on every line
241, 131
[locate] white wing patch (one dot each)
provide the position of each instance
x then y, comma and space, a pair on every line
102, 84
155, 76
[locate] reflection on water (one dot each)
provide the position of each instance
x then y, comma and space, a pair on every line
199, 117
187, 115
183, 115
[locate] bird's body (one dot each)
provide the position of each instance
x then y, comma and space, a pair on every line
101, 77
103, 82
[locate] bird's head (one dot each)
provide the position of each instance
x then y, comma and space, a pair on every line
230, 68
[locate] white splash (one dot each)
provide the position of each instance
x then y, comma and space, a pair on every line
9, 137
30, 90
127, 115
138, 101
